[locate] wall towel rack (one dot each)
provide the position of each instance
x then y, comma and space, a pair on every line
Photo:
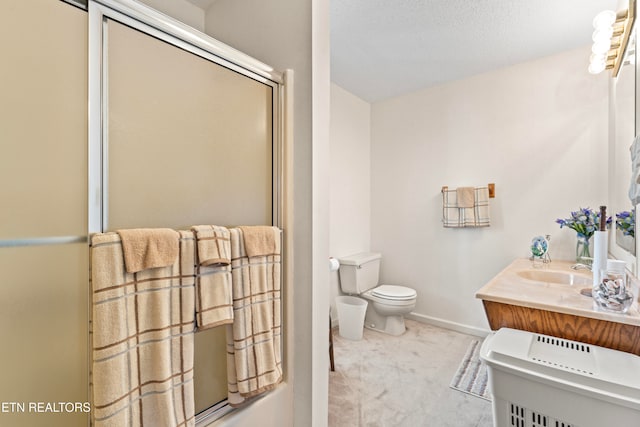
491, 186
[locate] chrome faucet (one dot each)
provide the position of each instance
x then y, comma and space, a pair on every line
580, 267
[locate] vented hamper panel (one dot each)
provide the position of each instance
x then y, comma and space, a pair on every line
563, 353
542, 381
520, 416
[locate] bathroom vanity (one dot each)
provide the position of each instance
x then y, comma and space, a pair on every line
547, 300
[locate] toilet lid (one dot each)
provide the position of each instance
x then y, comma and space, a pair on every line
394, 292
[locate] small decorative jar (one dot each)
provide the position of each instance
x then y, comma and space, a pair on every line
612, 292
540, 251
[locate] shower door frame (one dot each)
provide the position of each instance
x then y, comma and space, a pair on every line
157, 25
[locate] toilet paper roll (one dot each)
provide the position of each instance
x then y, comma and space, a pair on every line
334, 265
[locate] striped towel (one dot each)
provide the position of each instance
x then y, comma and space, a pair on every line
454, 216
254, 362
142, 338
214, 304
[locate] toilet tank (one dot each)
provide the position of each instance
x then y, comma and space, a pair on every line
359, 272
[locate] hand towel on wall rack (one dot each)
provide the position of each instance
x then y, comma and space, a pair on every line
214, 302
254, 363
142, 337
455, 216
148, 248
465, 197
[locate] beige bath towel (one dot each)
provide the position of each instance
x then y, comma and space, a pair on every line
142, 338
258, 240
214, 304
481, 208
453, 216
149, 248
254, 340
465, 197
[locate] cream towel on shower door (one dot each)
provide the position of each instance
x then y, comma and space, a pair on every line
142, 338
146, 248
214, 302
254, 362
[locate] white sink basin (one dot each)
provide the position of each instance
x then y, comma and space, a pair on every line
555, 277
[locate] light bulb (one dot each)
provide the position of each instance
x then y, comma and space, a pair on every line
602, 34
601, 47
604, 19
597, 57
596, 68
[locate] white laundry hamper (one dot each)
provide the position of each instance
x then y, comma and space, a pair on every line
542, 381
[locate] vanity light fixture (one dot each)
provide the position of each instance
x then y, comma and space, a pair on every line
610, 39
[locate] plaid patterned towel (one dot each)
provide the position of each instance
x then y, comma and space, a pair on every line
142, 338
254, 362
454, 216
214, 304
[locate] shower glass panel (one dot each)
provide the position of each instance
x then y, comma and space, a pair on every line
43, 301
43, 120
189, 142
43, 198
210, 379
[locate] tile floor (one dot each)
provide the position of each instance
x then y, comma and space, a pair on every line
387, 381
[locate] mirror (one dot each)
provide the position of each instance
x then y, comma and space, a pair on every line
623, 130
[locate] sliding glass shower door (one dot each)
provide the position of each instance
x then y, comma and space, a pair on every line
188, 141
44, 258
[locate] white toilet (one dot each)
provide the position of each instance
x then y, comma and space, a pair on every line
387, 303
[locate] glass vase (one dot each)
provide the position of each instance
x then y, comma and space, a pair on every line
583, 251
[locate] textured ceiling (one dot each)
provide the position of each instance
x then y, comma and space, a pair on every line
384, 48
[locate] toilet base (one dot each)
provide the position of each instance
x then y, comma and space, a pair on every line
392, 325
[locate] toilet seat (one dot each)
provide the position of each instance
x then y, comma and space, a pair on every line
394, 292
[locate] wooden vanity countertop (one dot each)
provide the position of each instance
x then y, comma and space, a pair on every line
508, 287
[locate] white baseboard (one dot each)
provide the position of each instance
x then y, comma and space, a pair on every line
447, 324
441, 323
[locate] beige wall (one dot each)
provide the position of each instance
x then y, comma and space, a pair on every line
350, 173
538, 130
43, 132
350, 204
